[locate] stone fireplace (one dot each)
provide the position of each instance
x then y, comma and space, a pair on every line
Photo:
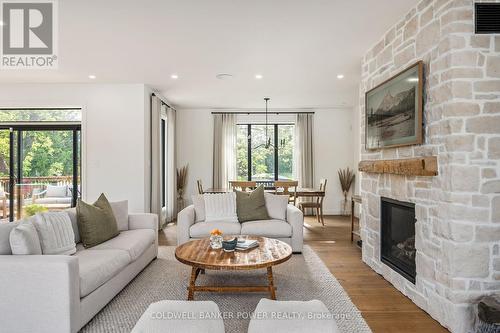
457, 210
397, 237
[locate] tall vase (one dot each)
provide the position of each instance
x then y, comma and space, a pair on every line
180, 200
345, 205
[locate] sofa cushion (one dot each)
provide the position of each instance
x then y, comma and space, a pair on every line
54, 201
135, 242
56, 191
55, 233
24, 240
251, 206
276, 206
120, 210
96, 222
220, 207
5, 229
204, 316
309, 316
267, 228
74, 223
202, 229
99, 266
199, 207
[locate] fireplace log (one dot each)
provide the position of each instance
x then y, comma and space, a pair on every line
420, 166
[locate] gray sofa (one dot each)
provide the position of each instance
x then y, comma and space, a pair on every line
289, 230
61, 293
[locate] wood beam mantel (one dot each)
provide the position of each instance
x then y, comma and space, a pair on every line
420, 166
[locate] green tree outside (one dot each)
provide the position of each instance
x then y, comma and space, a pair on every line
45, 153
263, 158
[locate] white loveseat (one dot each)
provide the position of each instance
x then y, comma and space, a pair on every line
289, 230
61, 293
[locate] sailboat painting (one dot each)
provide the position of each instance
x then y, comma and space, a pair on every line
394, 110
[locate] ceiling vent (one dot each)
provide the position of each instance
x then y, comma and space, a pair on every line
487, 18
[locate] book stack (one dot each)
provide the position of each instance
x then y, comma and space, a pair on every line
246, 244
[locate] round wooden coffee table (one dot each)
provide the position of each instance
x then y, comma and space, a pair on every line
199, 255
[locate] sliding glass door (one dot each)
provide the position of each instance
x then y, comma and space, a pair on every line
39, 160
40, 169
7, 156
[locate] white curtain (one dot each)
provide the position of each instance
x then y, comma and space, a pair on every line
171, 165
303, 157
224, 159
156, 154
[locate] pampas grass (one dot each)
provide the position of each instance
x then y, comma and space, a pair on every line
346, 177
182, 174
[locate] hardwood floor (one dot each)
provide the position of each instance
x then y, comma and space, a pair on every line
384, 308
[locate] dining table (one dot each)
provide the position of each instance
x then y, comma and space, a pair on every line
301, 192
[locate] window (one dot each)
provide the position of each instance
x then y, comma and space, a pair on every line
258, 163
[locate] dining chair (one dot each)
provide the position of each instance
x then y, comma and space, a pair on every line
200, 186
317, 203
282, 187
243, 185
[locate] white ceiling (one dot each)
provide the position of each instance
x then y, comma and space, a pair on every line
298, 46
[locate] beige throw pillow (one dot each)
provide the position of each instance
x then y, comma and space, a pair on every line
24, 240
55, 232
120, 211
199, 207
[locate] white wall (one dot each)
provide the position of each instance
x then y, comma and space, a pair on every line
194, 146
115, 141
333, 148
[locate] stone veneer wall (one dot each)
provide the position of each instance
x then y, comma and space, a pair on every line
458, 212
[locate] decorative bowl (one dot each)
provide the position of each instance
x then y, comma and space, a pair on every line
229, 245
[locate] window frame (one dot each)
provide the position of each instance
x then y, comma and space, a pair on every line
275, 147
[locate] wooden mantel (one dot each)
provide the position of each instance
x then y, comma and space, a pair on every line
420, 166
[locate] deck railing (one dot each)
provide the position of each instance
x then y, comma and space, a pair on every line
38, 181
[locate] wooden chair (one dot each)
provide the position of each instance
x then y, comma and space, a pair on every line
286, 186
242, 185
200, 186
316, 204
3, 203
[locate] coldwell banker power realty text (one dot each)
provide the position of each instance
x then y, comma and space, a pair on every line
29, 34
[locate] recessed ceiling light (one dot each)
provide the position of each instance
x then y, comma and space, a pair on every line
92, 77
223, 76
174, 76
2, 23
258, 76
340, 76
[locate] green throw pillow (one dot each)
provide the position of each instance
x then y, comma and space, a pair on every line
251, 206
96, 223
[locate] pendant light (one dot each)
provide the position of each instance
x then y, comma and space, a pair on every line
267, 143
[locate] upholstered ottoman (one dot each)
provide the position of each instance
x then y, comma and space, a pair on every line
291, 317
180, 317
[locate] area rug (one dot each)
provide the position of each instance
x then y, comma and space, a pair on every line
303, 277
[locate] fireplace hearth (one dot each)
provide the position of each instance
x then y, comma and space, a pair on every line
398, 237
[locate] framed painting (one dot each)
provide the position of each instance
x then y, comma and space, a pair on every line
393, 110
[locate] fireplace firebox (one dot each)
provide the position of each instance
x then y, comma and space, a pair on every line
398, 237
